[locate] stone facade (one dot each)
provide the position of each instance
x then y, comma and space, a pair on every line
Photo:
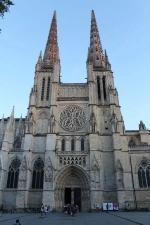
72, 145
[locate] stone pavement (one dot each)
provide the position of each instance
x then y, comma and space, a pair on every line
101, 218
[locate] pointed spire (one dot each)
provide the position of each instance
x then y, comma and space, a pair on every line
39, 62
51, 55
11, 122
2, 127
95, 54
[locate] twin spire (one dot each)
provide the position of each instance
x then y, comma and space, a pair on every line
96, 56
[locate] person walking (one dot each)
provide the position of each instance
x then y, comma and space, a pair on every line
107, 207
42, 209
48, 208
17, 222
45, 209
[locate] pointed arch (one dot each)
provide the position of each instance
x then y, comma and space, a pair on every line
13, 173
38, 173
144, 173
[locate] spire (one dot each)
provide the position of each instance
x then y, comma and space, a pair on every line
39, 62
51, 55
95, 55
11, 122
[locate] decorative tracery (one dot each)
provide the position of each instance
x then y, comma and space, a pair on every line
13, 174
72, 118
144, 174
38, 172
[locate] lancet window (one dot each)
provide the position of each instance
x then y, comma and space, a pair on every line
82, 144
13, 174
104, 87
72, 145
48, 87
43, 87
144, 174
98, 88
63, 145
38, 172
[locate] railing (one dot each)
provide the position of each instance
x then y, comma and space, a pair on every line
73, 152
16, 150
139, 147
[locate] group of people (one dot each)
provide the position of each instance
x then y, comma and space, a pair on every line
71, 209
44, 210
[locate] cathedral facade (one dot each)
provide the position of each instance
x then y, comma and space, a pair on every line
72, 147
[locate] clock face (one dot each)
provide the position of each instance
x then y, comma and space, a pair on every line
72, 118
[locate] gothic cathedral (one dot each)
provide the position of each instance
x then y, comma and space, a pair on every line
72, 147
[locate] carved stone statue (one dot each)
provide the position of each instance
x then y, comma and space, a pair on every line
114, 123
29, 123
142, 126
48, 175
93, 123
52, 124
119, 175
23, 173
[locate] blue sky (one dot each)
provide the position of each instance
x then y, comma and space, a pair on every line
124, 28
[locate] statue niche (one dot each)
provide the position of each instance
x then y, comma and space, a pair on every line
93, 123
48, 177
23, 174
52, 124
119, 175
114, 123
42, 123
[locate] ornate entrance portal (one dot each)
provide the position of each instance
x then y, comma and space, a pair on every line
72, 187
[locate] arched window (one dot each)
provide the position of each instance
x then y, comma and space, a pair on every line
82, 144
104, 87
72, 145
13, 174
131, 143
144, 174
38, 172
63, 145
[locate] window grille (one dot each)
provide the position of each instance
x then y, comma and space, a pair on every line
144, 174
38, 173
48, 86
43, 86
63, 145
13, 174
82, 144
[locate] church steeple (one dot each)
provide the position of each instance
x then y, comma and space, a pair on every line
51, 55
95, 52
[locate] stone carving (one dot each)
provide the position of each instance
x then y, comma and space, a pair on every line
93, 123
23, 173
72, 118
49, 173
142, 126
69, 160
29, 123
95, 174
114, 123
119, 175
52, 124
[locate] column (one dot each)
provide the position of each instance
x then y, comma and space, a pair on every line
72, 196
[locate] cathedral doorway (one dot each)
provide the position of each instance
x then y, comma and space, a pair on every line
72, 187
73, 196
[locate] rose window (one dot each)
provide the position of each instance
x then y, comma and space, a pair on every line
72, 118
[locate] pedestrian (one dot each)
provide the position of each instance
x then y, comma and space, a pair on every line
107, 207
17, 222
48, 208
45, 209
42, 209
77, 210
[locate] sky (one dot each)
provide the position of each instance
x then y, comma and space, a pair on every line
124, 28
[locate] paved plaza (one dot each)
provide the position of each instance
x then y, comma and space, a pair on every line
101, 218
